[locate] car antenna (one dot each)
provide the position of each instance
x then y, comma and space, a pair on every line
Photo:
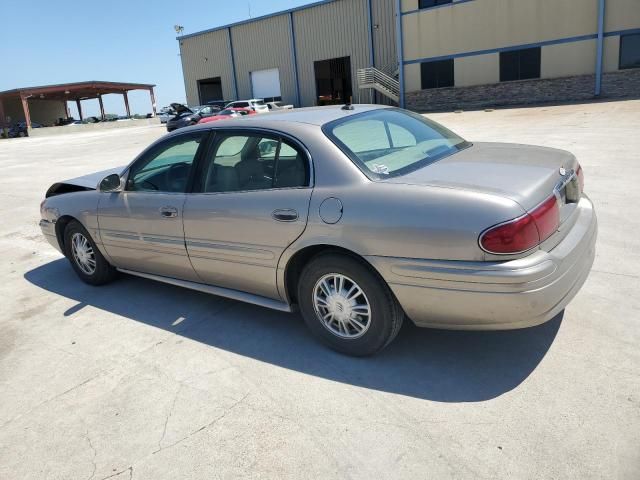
347, 106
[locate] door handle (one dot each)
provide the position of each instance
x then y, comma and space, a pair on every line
169, 212
285, 215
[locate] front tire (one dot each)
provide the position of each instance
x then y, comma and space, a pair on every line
347, 306
85, 258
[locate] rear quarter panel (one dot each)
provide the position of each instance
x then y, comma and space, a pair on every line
380, 219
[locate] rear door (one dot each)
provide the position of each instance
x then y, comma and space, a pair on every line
141, 227
250, 203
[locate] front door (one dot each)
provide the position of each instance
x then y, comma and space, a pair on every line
141, 227
250, 203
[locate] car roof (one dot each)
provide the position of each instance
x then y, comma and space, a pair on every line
310, 115
315, 116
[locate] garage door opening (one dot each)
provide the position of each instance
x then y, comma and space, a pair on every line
265, 84
210, 89
333, 81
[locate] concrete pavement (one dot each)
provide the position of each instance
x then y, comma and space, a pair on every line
143, 380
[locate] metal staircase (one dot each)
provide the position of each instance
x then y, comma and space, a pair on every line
373, 79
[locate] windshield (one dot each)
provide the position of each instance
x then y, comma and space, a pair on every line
257, 102
390, 142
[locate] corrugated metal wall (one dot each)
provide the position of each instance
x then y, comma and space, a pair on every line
338, 29
384, 36
261, 45
332, 30
206, 56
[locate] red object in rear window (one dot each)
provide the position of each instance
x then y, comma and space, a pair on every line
523, 233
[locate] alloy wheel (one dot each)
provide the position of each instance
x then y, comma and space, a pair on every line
342, 306
83, 253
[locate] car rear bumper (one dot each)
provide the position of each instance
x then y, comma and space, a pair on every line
495, 295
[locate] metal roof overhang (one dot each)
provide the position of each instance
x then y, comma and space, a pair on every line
73, 91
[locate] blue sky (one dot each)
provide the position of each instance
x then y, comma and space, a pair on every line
50, 42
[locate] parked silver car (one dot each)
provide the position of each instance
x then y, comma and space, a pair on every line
358, 215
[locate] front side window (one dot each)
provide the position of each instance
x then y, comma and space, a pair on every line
432, 3
391, 142
167, 167
437, 74
253, 162
520, 64
630, 51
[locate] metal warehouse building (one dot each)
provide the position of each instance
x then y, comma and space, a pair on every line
423, 54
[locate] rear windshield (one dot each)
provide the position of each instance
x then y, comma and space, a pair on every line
391, 142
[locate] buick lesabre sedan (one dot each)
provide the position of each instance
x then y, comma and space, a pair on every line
360, 216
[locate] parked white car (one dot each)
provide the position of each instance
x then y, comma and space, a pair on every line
278, 106
256, 104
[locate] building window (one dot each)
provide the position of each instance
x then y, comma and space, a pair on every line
437, 74
520, 64
630, 51
432, 3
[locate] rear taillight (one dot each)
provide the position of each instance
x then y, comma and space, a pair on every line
580, 175
523, 233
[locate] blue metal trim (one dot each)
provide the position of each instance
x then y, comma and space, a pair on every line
400, 49
256, 19
616, 33
294, 58
452, 4
233, 66
558, 41
600, 41
503, 49
372, 55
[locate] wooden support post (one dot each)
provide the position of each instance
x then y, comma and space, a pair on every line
126, 103
25, 109
153, 101
79, 105
101, 107
3, 121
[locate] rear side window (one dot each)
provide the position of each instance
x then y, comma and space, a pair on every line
254, 162
390, 142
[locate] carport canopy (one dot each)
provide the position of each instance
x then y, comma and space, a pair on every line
77, 92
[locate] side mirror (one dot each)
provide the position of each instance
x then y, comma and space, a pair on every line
110, 183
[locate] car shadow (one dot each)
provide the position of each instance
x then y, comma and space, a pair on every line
438, 365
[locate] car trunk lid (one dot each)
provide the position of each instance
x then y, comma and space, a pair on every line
526, 174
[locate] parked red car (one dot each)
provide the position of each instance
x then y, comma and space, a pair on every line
228, 113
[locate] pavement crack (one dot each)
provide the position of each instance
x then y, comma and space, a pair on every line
51, 399
618, 274
95, 454
205, 426
128, 469
166, 421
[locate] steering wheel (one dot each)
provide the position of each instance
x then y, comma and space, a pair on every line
147, 183
175, 177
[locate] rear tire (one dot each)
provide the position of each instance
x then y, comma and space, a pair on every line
347, 306
85, 258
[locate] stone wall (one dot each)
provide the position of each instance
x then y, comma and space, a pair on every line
621, 84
